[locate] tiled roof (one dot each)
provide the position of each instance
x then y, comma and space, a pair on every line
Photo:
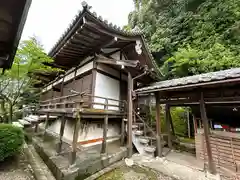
191, 80
111, 27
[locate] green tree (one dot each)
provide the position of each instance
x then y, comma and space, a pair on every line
20, 79
191, 36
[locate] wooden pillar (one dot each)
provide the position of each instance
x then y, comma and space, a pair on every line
94, 76
122, 132
105, 129
171, 123
130, 114
59, 145
46, 126
195, 124
158, 124
211, 166
188, 121
75, 136
168, 125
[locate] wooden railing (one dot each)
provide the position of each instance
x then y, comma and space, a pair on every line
86, 100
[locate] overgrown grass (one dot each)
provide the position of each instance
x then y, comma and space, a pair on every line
118, 173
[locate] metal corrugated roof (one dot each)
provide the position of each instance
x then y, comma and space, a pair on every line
191, 80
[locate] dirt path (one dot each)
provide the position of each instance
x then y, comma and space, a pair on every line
16, 169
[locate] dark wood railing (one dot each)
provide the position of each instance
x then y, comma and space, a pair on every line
86, 100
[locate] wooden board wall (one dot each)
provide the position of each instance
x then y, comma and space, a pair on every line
225, 151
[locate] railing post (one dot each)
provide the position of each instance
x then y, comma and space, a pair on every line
105, 129
75, 133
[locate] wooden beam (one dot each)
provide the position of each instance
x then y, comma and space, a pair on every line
130, 114
71, 51
158, 126
127, 63
211, 166
59, 145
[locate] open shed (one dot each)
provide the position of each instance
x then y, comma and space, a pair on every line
212, 96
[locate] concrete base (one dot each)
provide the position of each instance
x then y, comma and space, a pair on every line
88, 162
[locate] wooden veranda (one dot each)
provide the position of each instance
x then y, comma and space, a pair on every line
205, 90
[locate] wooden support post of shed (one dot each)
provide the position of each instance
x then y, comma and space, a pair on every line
171, 124
59, 145
195, 124
168, 125
158, 124
75, 136
188, 123
46, 126
211, 166
130, 114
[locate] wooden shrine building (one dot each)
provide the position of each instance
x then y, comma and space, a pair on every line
102, 65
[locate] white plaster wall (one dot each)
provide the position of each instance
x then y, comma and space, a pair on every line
106, 87
88, 132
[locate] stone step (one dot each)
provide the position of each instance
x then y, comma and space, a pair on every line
138, 132
135, 126
150, 149
143, 140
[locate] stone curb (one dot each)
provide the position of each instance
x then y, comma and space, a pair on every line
40, 170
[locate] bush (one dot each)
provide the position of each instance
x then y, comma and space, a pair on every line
178, 117
11, 140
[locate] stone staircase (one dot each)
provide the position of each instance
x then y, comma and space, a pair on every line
144, 136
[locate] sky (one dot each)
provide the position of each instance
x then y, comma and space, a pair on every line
48, 19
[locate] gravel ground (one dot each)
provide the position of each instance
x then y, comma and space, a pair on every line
16, 168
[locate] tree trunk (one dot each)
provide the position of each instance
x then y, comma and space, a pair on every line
10, 113
3, 109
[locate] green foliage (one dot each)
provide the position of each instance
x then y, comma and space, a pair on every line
179, 119
17, 84
192, 36
11, 140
